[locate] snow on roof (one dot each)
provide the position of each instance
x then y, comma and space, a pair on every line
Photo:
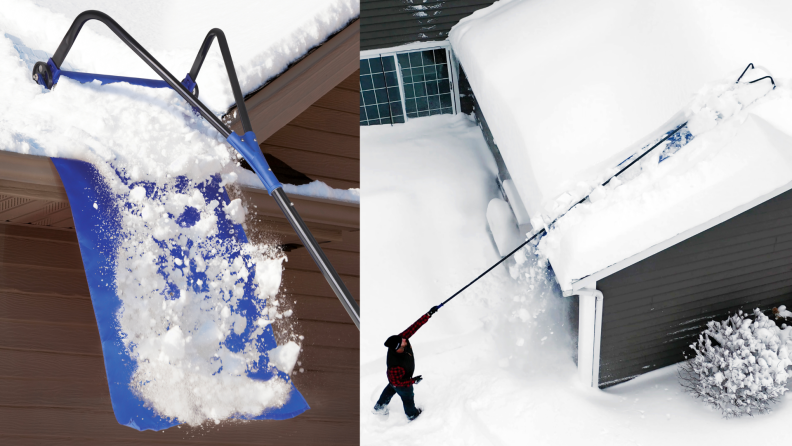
740, 163
569, 88
264, 37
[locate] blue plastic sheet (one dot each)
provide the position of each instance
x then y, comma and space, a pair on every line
96, 212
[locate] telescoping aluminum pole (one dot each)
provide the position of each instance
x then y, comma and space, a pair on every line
47, 75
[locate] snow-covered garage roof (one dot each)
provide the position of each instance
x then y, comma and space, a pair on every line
570, 90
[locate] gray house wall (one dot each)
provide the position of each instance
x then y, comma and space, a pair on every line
389, 23
654, 309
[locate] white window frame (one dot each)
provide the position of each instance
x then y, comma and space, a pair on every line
453, 66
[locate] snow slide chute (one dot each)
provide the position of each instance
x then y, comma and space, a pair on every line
96, 212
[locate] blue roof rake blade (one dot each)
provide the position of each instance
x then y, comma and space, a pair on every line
96, 212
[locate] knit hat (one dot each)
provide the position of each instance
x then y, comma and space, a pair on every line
393, 341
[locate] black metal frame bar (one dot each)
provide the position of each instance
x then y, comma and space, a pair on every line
199, 60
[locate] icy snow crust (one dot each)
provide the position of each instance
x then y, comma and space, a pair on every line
570, 88
179, 284
264, 37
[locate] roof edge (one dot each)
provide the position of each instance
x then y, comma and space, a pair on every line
592, 279
284, 97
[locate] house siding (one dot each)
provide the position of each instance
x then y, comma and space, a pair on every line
53, 387
323, 142
389, 23
654, 309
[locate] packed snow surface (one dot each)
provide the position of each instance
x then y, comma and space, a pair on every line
155, 155
569, 89
496, 360
263, 37
740, 155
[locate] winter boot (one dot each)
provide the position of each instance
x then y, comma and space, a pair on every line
420, 411
380, 410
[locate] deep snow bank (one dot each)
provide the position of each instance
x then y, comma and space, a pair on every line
568, 88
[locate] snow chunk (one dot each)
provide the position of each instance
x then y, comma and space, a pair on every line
235, 211
284, 357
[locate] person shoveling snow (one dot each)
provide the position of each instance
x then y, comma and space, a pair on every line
401, 365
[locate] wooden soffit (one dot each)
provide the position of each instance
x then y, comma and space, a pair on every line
302, 84
35, 178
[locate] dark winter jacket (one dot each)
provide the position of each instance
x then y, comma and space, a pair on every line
402, 365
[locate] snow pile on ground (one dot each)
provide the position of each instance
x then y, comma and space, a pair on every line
496, 360
264, 37
737, 156
570, 89
179, 284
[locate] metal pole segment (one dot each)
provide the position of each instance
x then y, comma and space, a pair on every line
74, 30
330, 274
229, 63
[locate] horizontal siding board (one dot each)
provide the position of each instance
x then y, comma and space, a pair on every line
46, 308
312, 163
312, 283
654, 309
313, 308
683, 316
34, 233
386, 24
380, 26
64, 282
328, 120
376, 8
316, 141
344, 262
45, 253
683, 307
665, 265
339, 99
387, 43
101, 428
52, 368
714, 278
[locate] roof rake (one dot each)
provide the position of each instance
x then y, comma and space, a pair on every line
246, 345
47, 75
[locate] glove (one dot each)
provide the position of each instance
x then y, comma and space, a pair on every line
417, 379
433, 310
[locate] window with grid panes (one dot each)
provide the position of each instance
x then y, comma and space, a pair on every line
427, 87
380, 98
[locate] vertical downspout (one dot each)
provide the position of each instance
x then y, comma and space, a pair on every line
589, 335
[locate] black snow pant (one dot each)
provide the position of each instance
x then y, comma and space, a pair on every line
406, 395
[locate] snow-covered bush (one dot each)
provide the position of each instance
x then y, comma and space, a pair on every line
740, 365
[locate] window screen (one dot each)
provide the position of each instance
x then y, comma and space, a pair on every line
380, 99
427, 90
